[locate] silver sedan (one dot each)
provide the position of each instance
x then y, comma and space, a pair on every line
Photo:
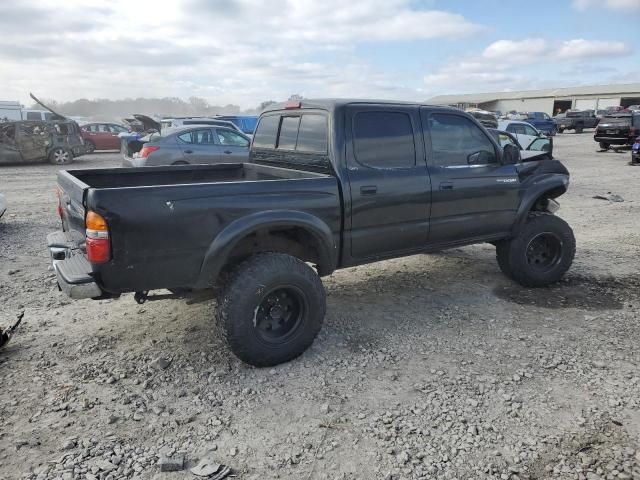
195, 144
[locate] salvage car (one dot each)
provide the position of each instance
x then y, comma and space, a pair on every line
542, 122
329, 184
617, 129
102, 136
486, 118
190, 144
539, 149
578, 120
36, 141
185, 121
523, 131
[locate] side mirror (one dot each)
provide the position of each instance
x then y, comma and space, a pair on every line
510, 155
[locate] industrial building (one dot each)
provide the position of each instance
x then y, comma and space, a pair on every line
550, 101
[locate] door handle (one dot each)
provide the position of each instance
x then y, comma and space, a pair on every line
369, 190
188, 151
228, 152
446, 186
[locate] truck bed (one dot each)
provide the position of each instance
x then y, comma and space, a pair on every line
163, 220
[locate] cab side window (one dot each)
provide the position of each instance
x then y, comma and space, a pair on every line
457, 141
384, 140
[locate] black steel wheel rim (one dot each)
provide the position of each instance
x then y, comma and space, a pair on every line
280, 314
544, 251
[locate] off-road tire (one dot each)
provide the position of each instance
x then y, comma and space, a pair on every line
603, 146
241, 306
91, 147
514, 255
60, 156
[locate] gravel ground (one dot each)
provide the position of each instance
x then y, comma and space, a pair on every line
431, 366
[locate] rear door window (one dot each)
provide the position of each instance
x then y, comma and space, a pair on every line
384, 140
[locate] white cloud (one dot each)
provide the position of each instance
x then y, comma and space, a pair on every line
229, 51
515, 49
622, 5
580, 48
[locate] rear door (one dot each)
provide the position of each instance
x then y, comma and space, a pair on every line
32, 139
474, 196
388, 179
199, 146
113, 141
234, 147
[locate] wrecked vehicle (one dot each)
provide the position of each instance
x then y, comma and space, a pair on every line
35, 141
142, 128
329, 184
539, 149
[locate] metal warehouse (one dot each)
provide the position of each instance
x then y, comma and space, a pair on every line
550, 101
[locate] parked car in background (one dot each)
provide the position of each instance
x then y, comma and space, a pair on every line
35, 141
523, 131
633, 108
635, 152
246, 123
486, 118
183, 121
542, 122
578, 120
539, 149
102, 136
617, 129
3, 205
190, 145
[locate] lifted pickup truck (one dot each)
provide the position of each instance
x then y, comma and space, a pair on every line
329, 184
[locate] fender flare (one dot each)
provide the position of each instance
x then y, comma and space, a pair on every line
554, 185
223, 244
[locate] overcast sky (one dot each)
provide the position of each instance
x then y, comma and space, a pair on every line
246, 51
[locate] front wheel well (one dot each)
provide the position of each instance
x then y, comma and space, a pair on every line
541, 203
295, 241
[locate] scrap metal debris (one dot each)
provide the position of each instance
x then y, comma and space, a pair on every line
610, 196
5, 335
210, 469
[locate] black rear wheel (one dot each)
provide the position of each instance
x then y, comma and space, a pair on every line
271, 309
541, 253
91, 147
604, 146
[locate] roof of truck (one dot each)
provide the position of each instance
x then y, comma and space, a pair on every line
334, 103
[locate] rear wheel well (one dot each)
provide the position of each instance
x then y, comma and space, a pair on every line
295, 241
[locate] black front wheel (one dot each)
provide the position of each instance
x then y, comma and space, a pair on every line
541, 253
271, 309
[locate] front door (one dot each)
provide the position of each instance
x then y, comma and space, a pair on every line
389, 181
474, 195
234, 147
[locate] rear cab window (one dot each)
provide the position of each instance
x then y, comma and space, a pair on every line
299, 139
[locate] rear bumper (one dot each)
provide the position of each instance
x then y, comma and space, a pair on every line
73, 270
612, 140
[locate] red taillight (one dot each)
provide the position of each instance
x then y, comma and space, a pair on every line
97, 241
144, 153
60, 211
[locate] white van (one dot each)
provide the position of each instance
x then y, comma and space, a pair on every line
41, 115
10, 111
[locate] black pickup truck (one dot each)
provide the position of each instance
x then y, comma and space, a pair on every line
329, 184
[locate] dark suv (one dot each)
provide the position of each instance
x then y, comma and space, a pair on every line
618, 129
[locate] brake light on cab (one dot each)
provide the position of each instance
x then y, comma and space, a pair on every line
97, 241
144, 153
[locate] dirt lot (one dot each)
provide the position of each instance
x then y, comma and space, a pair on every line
432, 366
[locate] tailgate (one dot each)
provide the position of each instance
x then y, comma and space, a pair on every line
71, 192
